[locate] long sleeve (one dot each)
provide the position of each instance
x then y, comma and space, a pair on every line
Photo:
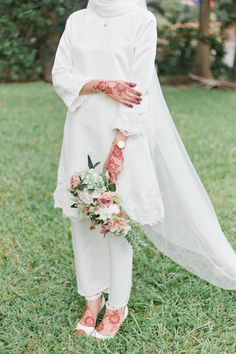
131, 120
66, 83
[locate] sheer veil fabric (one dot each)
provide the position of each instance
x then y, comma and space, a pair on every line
190, 234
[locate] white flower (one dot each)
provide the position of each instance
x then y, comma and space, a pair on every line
87, 198
106, 213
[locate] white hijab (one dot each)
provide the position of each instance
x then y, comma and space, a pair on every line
111, 8
190, 234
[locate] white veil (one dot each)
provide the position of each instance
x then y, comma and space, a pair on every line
191, 234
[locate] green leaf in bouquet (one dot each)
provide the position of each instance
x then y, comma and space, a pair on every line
90, 164
91, 190
112, 187
74, 205
82, 186
96, 164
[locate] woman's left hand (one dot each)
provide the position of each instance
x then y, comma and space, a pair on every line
114, 162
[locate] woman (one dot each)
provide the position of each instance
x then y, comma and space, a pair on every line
104, 71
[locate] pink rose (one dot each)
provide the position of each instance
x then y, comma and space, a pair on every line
106, 227
121, 214
105, 199
74, 181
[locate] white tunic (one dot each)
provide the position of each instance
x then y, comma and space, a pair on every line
118, 48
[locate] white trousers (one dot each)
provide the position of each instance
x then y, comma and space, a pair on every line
103, 264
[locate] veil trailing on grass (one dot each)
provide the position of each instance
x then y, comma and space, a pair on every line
190, 234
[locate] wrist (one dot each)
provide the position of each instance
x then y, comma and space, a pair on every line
89, 87
120, 136
120, 144
101, 86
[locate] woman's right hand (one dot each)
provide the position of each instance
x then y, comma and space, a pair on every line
121, 91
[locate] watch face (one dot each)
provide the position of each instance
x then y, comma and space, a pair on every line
121, 144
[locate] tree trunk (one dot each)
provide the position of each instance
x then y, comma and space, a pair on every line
48, 47
234, 66
202, 58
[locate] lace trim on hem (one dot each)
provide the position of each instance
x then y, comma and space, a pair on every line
62, 201
150, 215
129, 131
131, 121
79, 99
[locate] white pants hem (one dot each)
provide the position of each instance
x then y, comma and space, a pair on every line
94, 295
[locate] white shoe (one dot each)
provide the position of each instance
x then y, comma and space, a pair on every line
88, 329
98, 335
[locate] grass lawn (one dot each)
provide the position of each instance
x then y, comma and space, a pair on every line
171, 310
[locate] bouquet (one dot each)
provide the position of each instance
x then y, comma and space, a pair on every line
96, 198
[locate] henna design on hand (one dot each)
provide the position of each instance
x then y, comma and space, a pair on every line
121, 91
114, 163
101, 86
111, 87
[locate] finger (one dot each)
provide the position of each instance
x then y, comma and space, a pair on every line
130, 101
126, 103
130, 84
132, 98
135, 92
129, 97
115, 97
120, 99
125, 97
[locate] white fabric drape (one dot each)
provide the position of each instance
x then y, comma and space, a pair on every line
131, 121
190, 234
86, 51
67, 83
111, 8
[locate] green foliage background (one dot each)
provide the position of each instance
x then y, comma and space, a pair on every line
30, 30
29, 33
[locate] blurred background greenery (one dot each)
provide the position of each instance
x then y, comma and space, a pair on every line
194, 36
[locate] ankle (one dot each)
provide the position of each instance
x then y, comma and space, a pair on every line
93, 303
114, 308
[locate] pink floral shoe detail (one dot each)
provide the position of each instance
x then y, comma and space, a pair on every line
115, 320
88, 328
